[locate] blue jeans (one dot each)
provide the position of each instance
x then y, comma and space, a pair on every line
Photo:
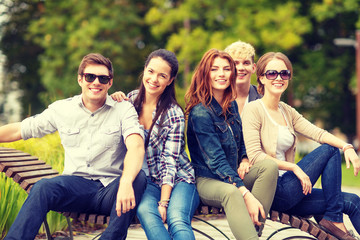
74, 194
328, 201
184, 200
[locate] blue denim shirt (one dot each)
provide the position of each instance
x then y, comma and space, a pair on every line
216, 146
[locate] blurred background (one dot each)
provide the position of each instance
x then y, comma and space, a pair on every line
43, 42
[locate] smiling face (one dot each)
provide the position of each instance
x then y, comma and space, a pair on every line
220, 76
94, 93
245, 68
278, 85
156, 77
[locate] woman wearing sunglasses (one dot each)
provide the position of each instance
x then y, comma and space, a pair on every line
269, 132
216, 146
170, 194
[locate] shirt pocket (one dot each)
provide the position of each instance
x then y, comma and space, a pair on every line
69, 136
110, 136
223, 132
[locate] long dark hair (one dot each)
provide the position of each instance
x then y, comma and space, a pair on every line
167, 98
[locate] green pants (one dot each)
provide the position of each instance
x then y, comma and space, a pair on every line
261, 181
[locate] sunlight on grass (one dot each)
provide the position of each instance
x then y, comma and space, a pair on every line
12, 196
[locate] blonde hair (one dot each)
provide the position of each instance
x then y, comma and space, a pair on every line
241, 49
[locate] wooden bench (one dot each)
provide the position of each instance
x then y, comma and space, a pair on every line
26, 170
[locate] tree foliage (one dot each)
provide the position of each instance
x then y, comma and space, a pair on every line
22, 63
53, 36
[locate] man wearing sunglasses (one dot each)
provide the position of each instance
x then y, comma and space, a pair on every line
104, 151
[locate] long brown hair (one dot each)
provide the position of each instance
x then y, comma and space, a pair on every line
263, 62
200, 90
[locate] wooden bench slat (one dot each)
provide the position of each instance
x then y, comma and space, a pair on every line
19, 177
295, 221
5, 165
18, 159
28, 183
9, 150
15, 154
14, 170
284, 218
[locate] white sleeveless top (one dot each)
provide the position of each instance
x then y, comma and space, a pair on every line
285, 138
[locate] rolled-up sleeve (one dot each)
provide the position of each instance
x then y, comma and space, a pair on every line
130, 121
39, 125
171, 153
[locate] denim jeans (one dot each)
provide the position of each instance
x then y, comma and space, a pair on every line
328, 201
74, 194
183, 202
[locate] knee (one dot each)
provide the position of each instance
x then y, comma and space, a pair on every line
269, 168
231, 196
328, 148
351, 203
40, 186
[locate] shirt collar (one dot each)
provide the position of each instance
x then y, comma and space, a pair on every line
109, 101
216, 107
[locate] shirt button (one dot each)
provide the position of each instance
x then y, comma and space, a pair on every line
88, 165
92, 114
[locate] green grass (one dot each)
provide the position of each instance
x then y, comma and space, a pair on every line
348, 178
12, 196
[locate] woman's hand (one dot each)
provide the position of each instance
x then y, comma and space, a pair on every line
119, 96
254, 207
162, 211
304, 179
244, 168
351, 156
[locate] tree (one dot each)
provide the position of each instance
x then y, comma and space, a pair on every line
68, 30
21, 53
193, 26
325, 80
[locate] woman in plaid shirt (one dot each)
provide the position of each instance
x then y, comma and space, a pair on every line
170, 194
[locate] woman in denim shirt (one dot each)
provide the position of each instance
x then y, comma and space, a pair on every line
170, 194
217, 149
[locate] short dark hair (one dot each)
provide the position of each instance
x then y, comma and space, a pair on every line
95, 58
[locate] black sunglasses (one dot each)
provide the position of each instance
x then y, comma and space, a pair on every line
103, 79
273, 74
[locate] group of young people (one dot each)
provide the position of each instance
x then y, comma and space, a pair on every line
125, 155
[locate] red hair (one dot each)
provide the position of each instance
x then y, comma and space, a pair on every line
200, 90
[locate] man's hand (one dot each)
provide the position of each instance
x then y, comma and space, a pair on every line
125, 200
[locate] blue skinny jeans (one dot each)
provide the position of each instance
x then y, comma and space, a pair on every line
184, 200
74, 194
324, 161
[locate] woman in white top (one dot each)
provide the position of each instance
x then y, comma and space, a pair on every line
269, 132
